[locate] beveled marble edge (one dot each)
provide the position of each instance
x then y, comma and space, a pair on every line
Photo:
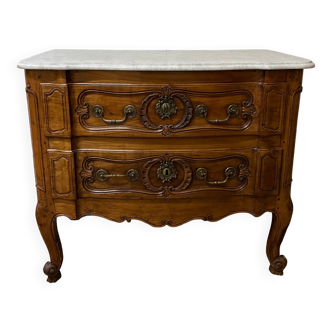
163, 60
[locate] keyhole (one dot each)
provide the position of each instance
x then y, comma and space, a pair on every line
166, 106
166, 172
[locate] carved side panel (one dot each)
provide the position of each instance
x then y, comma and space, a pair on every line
57, 117
294, 108
62, 175
274, 106
268, 172
36, 137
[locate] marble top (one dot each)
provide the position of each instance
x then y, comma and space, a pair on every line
163, 60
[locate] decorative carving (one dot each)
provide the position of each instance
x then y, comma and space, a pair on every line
36, 142
62, 175
88, 175
83, 112
244, 172
167, 190
178, 220
291, 136
274, 105
278, 265
268, 171
56, 109
166, 94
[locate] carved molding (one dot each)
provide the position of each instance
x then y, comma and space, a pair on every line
37, 141
61, 124
169, 128
265, 159
247, 112
88, 176
166, 190
170, 223
265, 173
83, 110
268, 111
62, 173
291, 129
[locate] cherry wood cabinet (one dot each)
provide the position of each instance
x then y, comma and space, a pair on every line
163, 142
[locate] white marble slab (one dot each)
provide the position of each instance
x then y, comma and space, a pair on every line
164, 60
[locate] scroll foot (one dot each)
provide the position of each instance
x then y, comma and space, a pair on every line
278, 264
52, 272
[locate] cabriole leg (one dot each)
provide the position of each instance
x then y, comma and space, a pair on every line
47, 224
280, 222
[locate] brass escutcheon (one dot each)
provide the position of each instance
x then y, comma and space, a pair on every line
166, 172
166, 107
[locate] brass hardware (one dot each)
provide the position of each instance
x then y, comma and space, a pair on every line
129, 112
166, 172
201, 174
166, 107
102, 175
202, 111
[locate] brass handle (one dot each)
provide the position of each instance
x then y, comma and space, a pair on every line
202, 111
201, 174
129, 112
102, 175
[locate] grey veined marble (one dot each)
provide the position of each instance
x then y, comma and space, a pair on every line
163, 60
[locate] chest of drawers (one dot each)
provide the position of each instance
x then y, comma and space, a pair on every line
163, 137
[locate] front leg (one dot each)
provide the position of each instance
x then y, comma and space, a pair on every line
280, 221
47, 224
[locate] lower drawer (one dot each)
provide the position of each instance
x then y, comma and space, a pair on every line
150, 175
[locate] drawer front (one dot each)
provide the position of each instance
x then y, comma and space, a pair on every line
163, 110
162, 175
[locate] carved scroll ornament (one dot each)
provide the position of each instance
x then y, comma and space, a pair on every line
173, 163
165, 106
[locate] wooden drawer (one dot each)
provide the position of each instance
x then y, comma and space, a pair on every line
165, 110
160, 175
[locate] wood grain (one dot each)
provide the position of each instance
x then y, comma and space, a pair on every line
149, 186
56, 107
70, 145
185, 123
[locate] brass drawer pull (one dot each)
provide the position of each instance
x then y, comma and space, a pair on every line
129, 112
201, 174
102, 175
202, 111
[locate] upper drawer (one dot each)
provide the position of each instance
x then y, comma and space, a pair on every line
158, 110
